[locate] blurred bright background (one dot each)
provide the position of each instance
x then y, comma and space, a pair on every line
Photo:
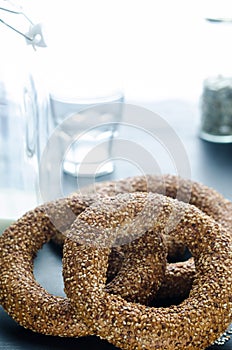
150, 49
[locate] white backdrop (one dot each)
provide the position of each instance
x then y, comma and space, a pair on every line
151, 49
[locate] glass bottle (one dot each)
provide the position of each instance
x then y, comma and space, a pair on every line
23, 119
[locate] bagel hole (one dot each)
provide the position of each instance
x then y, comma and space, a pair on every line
168, 302
180, 257
48, 269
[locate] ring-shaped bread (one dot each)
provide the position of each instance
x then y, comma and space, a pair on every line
195, 323
25, 300
203, 197
179, 276
28, 303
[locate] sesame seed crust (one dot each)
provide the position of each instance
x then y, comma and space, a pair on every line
179, 276
195, 323
205, 198
21, 296
30, 304
144, 262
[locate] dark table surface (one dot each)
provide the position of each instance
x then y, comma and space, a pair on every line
209, 163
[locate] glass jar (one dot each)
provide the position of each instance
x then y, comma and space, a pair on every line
216, 101
24, 112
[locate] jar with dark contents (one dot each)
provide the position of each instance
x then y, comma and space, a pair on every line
216, 99
216, 108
